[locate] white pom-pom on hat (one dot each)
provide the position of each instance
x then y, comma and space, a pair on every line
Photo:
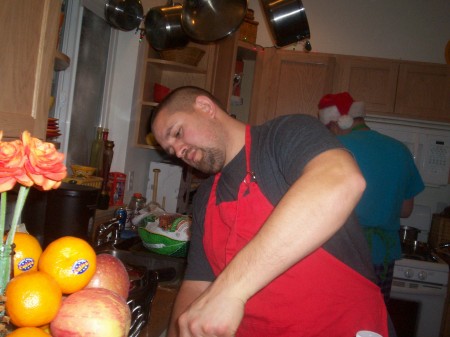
345, 122
340, 108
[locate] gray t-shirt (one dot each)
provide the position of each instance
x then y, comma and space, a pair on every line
280, 150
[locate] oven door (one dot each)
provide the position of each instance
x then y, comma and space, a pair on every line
416, 309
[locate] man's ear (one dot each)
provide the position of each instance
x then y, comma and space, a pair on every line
206, 105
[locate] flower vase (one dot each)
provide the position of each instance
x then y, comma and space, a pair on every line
6, 273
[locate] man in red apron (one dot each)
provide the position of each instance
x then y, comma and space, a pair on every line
274, 248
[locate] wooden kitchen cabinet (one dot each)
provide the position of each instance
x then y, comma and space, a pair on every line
28, 39
228, 52
370, 80
395, 88
290, 82
423, 91
172, 75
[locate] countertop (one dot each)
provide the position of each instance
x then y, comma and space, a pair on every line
160, 311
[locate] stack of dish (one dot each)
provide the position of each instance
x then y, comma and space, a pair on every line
52, 128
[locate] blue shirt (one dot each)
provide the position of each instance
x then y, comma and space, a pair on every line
391, 177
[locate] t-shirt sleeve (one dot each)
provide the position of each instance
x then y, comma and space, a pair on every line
292, 142
416, 184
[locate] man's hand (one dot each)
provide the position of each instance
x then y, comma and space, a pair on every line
214, 313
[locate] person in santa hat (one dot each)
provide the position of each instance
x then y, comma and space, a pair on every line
392, 178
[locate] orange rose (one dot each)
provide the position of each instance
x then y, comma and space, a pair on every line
45, 164
12, 160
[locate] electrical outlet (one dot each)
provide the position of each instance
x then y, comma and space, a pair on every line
130, 180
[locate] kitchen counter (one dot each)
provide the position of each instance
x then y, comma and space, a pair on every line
160, 311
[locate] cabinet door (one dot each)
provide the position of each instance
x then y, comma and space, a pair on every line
228, 52
424, 92
29, 30
373, 81
290, 82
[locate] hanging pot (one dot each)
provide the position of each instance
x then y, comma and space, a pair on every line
287, 21
211, 20
124, 14
163, 27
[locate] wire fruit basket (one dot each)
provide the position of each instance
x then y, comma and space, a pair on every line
188, 55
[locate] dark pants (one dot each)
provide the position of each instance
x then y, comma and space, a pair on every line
384, 275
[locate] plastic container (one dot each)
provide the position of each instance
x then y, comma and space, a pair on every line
68, 210
116, 182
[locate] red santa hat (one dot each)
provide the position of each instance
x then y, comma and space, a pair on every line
340, 108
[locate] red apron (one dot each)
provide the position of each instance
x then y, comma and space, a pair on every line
319, 296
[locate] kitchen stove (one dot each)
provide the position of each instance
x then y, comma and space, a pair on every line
419, 286
426, 272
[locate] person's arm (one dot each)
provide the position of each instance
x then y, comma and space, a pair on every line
316, 206
188, 292
407, 208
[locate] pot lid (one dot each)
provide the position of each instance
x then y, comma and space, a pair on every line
208, 21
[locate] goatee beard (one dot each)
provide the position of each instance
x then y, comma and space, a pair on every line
212, 162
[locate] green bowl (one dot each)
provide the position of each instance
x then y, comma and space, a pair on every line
161, 244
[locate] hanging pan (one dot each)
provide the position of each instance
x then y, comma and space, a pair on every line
211, 20
287, 21
124, 14
163, 27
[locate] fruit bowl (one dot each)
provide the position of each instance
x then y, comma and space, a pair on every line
82, 171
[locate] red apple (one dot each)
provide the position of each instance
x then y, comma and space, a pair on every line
94, 312
110, 274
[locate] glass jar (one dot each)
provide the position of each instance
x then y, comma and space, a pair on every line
6, 274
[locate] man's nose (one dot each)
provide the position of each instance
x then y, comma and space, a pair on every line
180, 149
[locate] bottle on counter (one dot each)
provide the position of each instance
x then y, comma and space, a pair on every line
108, 153
96, 157
136, 203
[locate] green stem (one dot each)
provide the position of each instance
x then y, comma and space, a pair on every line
23, 193
2, 215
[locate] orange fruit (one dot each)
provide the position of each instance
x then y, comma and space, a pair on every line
26, 253
28, 332
32, 299
71, 261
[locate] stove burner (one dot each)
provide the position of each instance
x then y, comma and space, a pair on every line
421, 257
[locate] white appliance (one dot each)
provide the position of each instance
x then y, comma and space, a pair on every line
419, 285
422, 286
428, 142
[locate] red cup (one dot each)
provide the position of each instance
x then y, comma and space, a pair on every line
159, 92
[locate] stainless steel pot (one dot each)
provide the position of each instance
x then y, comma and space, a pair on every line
163, 27
419, 250
287, 21
408, 233
211, 20
124, 14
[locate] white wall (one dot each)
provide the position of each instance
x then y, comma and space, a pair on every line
397, 29
413, 30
